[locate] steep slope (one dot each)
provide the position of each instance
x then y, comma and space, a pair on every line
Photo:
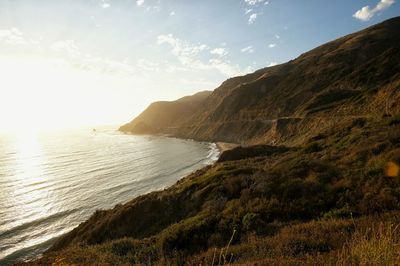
297, 205
357, 75
314, 201
164, 117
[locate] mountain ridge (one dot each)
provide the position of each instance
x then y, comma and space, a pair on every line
318, 83
321, 187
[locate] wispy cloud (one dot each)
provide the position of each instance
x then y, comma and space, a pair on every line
249, 49
253, 9
105, 4
254, 2
252, 18
12, 36
188, 56
366, 13
219, 51
183, 50
70, 52
139, 2
66, 46
272, 45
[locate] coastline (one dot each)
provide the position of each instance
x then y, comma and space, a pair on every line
209, 159
225, 146
221, 146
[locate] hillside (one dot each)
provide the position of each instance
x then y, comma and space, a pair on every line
354, 76
321, 187
165, 117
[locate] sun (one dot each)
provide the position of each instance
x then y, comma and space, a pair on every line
40, 93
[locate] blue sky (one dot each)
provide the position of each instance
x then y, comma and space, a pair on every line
124, 54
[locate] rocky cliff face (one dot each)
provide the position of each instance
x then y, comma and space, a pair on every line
352, 77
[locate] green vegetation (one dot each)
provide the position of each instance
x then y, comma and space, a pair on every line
327, 192
300, 206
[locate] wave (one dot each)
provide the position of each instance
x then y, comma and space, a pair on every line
82, 173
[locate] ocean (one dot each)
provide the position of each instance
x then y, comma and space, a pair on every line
51, 182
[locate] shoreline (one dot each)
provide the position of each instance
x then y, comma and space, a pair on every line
221, 146
225, 146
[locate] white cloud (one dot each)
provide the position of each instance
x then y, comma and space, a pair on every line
180, 48
139, 2
188, 55
248, 10
272, 45
219, 51
249, 49
69, 51
184, 51
148, 65
66, 46
254, 2
14, 41
64, 52
366, 13
172, 13
12, 36
277, 36
252, 18
253, 9
225, 68
105, 4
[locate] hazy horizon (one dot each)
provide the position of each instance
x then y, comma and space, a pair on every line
82, 63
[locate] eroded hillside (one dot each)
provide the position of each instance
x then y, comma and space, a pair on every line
327, 192
355, 76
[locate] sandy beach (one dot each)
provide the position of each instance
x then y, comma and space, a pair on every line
224, 146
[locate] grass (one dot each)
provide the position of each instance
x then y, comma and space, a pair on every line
369, 240
287, 208
379, 245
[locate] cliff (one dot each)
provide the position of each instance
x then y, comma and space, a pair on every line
328, 194
354, 76
165, 117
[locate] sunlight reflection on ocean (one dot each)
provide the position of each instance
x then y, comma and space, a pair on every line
50, 183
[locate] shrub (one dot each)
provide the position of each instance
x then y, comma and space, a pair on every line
395, 120
313, 147
122, 247
344, 212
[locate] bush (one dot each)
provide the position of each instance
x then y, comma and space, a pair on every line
122, 247
344, 212
395, 120
313, 147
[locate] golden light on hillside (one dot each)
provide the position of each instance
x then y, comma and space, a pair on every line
392, 169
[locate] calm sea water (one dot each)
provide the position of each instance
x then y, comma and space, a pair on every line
50, 183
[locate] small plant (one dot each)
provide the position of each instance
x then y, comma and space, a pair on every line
223, 259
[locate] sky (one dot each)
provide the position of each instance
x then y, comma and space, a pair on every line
70, 63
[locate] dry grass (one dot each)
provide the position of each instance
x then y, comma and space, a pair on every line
379, 245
